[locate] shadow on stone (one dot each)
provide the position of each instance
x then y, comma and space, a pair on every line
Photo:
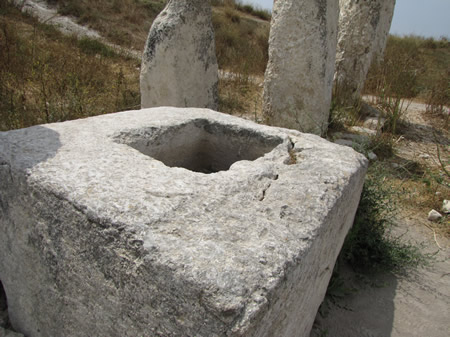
4, 319
200, 145
37, 144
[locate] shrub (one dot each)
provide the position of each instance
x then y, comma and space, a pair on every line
438, 96
411, 67
370, 246
232, 15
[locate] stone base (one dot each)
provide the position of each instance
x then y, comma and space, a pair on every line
171, 222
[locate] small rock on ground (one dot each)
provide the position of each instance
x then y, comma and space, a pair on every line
446, 206
372, 156
374, 123
434, 215
364, 131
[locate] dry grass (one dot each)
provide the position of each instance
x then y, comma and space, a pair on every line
241, 97
46, 77
241, 46
237, 5
413, 67
421, 193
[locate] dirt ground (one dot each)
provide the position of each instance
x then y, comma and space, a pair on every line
413, 305
416, 304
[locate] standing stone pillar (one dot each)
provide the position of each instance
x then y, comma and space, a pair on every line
387, 13
363, 30
179, 65
299, 75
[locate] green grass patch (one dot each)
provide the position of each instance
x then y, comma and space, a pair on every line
370, 245
94, 47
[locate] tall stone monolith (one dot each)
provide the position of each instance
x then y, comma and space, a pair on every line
363, 30
299, 74
179, 65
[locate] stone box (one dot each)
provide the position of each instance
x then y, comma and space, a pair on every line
171, 222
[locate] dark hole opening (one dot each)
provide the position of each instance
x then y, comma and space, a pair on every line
200, 145
4, 319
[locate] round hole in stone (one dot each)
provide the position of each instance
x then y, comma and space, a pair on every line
200, 145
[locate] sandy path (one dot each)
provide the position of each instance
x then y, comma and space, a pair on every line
416, 305
413, 305
48, 14
67, 25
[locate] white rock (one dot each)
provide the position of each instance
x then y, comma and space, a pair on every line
446, 206
363, 31
424, 156
299, 74
374, 123
434, 215
372, 156
363, 131
110, 226
179, 65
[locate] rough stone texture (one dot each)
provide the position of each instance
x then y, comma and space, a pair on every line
99, 238
384, 26
363, 30
179, 65
299, 75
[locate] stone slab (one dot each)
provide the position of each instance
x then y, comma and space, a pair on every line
299, 76
363, 30
179, 65
235, 235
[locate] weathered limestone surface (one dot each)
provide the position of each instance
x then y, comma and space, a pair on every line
363, 30
179, 65
98, 237
299, 75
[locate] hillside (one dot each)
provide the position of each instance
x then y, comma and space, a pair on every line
239, 28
